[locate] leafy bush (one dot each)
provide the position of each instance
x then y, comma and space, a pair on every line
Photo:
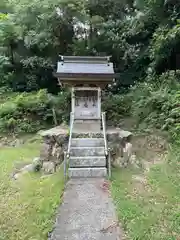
165, 39
115, 107
158, 103
29, 112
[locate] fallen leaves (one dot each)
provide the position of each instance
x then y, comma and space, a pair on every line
105, 187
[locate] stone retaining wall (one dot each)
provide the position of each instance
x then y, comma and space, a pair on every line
55, 142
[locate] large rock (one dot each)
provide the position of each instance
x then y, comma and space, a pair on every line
57, 134
57, 154
37, 164
55, 142
117, 139
27, 168
23, 170
117, 135
46, 151
49, 167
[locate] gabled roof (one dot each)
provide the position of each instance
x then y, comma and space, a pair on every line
73, 67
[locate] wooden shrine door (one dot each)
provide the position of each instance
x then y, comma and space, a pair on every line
86, 103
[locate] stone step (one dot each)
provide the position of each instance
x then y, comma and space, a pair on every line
87, 142
86, 151
87, 172
87, 161
87, 134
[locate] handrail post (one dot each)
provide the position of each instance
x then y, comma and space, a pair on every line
66, 154
104, 132
70, 134
107, 150
65, 163
109, 163
70, 118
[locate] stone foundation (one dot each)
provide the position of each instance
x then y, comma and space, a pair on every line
117, 140
55, 142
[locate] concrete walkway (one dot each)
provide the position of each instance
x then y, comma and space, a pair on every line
87, 213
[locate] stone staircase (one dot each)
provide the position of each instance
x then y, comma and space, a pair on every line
87, 157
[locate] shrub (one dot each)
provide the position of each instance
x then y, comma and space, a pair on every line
158, 103
116, 106
29, 112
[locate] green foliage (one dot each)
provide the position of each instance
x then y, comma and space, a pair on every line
34, 33
157, 103
29, 112
4, 77
165, 41
32, 36
137, 34
142, 37
116, 107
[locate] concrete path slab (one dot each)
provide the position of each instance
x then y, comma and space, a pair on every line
87, 213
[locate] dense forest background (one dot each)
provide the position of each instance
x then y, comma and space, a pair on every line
142, 36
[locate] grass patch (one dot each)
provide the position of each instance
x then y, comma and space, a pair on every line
149, 209
27, 205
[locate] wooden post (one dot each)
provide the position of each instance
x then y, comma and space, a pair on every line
72, 100
99, 102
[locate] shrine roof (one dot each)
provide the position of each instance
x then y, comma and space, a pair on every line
74, 66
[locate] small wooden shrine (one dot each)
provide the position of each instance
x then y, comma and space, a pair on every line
86, 76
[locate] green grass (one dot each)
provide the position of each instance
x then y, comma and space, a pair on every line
27, 205
150, 210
